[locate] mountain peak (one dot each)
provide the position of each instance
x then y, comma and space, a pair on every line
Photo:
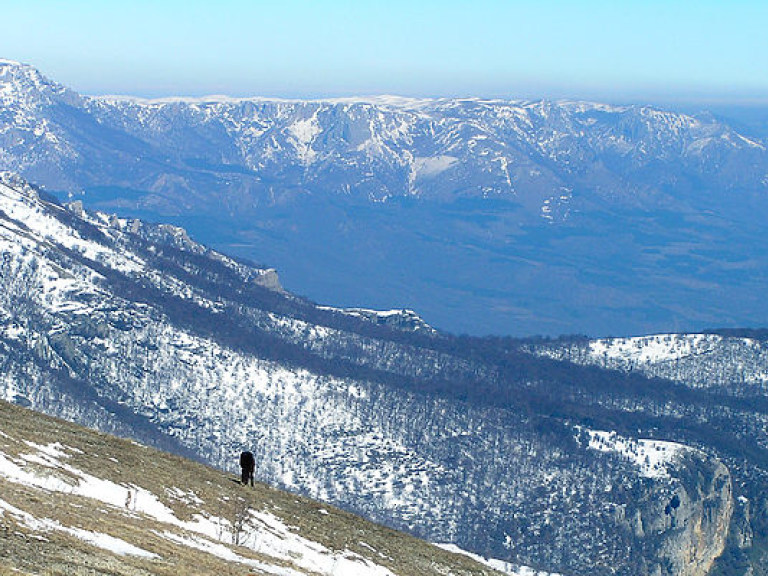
26, 86
13, 63
11, 69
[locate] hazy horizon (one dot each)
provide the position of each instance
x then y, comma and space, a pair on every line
680, 52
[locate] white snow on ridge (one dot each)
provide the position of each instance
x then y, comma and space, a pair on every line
652, 457
696, 360
652, 349
370, 314
391, 101
749, 142
380, 313
31, 231
45, 228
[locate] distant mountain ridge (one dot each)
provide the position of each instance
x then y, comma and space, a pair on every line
472, 211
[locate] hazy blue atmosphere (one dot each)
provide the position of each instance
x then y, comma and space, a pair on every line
649, 50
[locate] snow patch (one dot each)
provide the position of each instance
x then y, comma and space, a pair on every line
98, 539
651, 457
107, 542
303, 134
429, 167
651, 349
224, 552
500, 565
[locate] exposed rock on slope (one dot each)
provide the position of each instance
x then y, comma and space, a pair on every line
705, 515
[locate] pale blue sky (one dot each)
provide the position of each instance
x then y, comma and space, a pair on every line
616, 50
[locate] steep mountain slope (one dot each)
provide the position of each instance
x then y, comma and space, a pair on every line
73, 500
473, 212
136, 329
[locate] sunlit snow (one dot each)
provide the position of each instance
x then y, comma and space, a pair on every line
500, 565
651, 457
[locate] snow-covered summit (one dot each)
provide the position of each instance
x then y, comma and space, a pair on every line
24, 85
402, 319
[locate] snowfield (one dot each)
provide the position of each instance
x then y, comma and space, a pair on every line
652, 457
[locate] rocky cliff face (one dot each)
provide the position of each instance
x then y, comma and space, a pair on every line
692, 524
700, 523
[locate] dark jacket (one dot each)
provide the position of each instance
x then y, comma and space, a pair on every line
247, 461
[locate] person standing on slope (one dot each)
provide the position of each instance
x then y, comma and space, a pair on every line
247, 467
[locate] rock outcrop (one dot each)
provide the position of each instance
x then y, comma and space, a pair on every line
698, 530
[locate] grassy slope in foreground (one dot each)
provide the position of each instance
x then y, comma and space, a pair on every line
76, 501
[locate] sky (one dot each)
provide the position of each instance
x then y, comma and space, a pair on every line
613, 50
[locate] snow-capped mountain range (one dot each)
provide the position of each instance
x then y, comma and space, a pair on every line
136, 329
472, 211
375, 148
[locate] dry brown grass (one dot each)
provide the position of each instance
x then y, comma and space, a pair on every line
157, 472
10, 571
